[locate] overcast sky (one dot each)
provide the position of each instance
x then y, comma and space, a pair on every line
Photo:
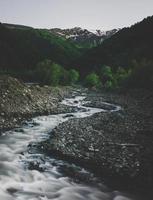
92, 14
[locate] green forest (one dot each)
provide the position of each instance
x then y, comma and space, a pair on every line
124, 60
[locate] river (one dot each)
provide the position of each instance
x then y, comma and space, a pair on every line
20, 179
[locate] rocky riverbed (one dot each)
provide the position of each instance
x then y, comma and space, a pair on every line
118, 144
20, 101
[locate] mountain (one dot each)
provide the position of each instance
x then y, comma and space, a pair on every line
84, 37
128, 55
122, 49
23, 47
131, 49
16, 26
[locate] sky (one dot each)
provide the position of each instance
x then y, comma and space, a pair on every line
90, 14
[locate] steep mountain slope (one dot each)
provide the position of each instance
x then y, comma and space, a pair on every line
23, 47
128, 45
84, 37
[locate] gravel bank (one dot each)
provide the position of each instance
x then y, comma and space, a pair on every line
19, 101
113, 144
118, 145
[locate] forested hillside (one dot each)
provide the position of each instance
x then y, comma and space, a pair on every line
125, 59
23, 47
129, 49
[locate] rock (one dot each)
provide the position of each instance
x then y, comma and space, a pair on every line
35, 166
109, 142
19, 102
12, 190
68, 115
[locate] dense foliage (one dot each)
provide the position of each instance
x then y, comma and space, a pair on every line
73, 76
22, 48
141, 76
50, 73
121, 51
125, 59
92, 80
108, 78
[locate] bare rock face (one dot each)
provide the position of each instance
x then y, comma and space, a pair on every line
85, 37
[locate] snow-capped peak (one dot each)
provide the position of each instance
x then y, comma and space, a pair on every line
81, 36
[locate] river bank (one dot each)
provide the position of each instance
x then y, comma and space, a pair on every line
118, 145
19, 101
27, 173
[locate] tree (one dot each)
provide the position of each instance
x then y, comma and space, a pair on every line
141, 76
112, 79
92, 80
106, 74
48, 72
73, 76
109, 85
108, 77
55, 74
64, 79
121, 75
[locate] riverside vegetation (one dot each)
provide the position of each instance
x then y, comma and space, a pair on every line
124, 60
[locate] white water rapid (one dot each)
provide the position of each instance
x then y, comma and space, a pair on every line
18, 182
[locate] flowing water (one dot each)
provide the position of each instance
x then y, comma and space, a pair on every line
19, 181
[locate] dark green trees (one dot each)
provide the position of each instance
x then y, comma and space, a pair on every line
92, 80
113, 78
73, 76
141, 75
48, 72
107, 78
